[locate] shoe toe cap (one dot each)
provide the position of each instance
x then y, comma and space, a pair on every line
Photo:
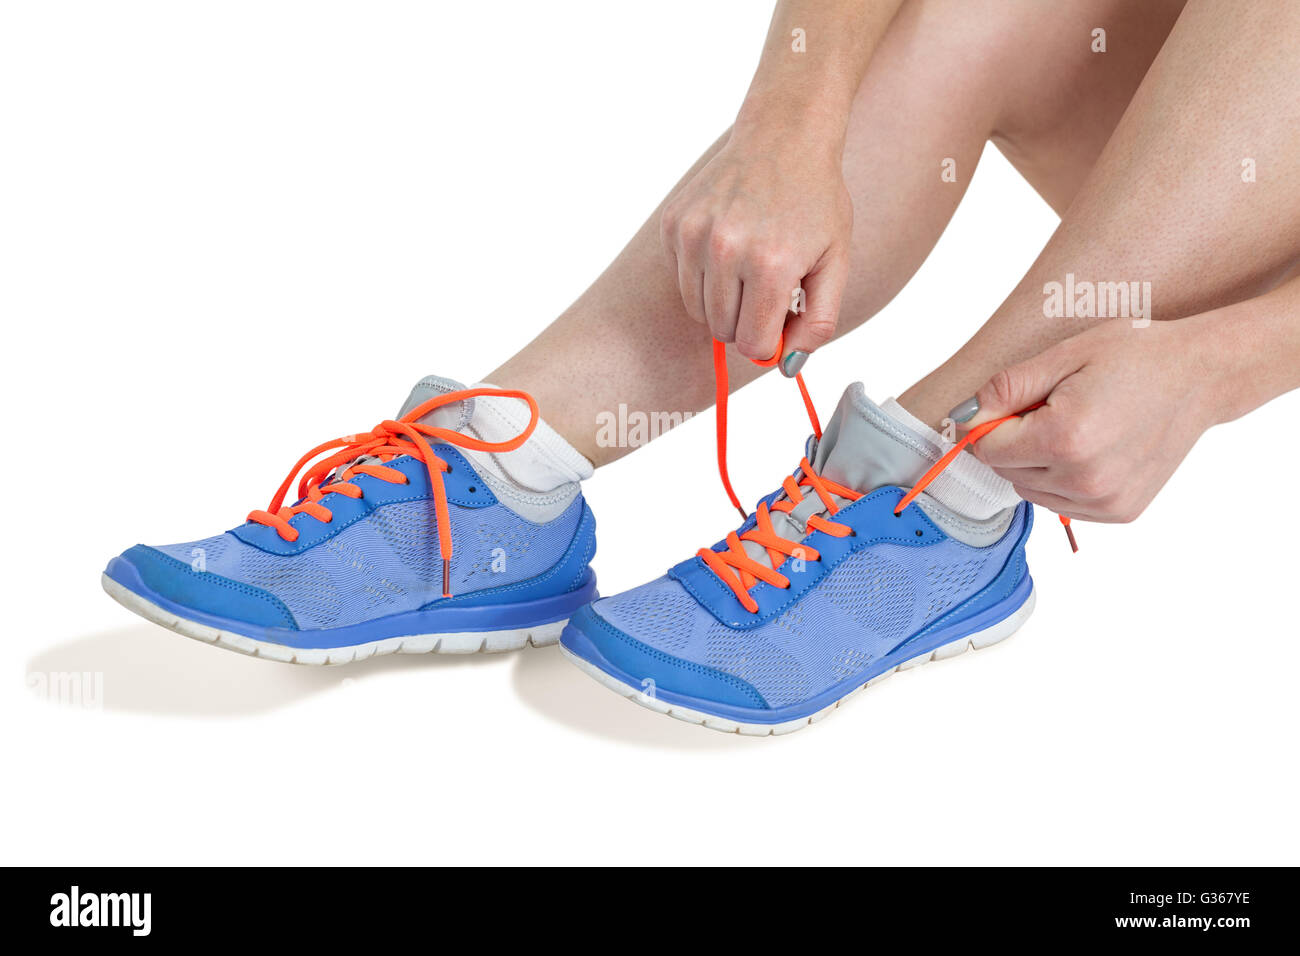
200, 594
596, 639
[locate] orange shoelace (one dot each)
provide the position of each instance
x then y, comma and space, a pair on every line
386, 441
970, 438
733, 566
721, 392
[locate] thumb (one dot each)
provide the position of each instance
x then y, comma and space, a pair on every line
809, 330
1017, 387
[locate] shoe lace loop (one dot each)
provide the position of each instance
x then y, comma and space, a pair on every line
386, 441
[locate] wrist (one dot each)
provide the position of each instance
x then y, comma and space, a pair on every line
769, 122
1237, 348
1211, 365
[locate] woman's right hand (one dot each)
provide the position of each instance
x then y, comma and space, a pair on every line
765, 217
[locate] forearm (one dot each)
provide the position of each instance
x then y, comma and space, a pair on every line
813, 61
1251, 351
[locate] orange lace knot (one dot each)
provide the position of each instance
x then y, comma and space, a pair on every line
388, 440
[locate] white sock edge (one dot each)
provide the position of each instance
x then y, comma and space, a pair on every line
546, 456
967, 486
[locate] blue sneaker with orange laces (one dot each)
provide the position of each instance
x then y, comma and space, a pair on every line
457, 527
886, 548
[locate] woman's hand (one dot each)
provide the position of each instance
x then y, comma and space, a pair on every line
1124, 407
770, 214
767, 216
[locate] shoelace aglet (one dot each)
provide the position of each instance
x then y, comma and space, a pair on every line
1069, 533
446, 578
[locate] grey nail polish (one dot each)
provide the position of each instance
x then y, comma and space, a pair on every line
966, 410
793, 362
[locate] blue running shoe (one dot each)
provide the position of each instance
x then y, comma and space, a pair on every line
415, 537
839, 578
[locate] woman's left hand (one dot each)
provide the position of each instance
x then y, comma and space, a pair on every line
1124, 407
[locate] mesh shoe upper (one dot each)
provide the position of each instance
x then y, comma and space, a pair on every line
392, 521
869, 604
389, 562
847, 570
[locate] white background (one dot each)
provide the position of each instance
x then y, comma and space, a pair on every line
231, 230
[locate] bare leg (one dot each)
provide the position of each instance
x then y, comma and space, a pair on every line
1166, 202
948, 75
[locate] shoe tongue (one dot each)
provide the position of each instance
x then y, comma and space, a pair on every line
864, 448
455, 416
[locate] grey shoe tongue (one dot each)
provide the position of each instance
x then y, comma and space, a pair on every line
864, 448
861, 447
454, 415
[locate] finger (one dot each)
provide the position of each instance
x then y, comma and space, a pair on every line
807, 331
1017, 387
1064, 507
764, 302
691, 282
680, 262
1028, 441
1052, 481
722, 291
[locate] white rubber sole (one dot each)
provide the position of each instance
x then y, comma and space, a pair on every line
468, 642
981, 639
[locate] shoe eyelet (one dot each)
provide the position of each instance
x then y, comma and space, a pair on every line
919, 533
472, 489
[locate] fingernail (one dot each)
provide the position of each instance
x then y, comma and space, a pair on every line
792, 363
966, 410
